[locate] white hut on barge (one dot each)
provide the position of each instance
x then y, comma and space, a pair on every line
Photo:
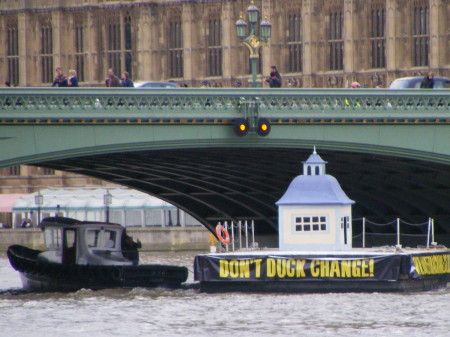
315, 213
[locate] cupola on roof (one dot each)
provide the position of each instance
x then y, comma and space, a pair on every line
314, 187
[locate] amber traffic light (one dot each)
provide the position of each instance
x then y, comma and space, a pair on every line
241, 127
263, 127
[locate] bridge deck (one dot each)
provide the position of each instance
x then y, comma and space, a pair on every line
186, 106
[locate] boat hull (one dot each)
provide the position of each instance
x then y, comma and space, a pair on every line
41, 275
325, 286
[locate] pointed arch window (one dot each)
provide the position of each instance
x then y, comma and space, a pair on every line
295, 48
335, 38
46, 50
421, 37
79, 45
114, 43
12, 52
175, 51
119, 32
378, 37
214, 46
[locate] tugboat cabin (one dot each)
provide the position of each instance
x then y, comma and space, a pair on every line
70, 241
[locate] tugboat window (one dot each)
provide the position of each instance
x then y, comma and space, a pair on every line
70, 238
93, 238
53, 239
110, 239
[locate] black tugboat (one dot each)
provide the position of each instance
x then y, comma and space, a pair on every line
82, 254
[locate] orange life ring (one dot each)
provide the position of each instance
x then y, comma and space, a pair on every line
222, 234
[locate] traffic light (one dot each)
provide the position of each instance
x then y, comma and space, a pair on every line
263, 127
241, 127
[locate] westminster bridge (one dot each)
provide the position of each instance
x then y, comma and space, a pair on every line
390, 150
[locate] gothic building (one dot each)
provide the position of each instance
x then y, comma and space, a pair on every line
314, 43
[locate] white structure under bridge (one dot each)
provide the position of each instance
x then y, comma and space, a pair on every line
121, 205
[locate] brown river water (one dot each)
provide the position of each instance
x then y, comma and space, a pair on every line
159, 312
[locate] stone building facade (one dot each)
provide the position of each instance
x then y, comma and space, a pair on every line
315, 43
23, 179
29, 179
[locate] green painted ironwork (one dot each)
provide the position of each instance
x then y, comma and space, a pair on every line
226, 103
36, 124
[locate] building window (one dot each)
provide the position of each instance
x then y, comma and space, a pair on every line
119, 32
214, 47
345, 221
12, 51
46, 55
114, 43
175, 46
335, 40
294, 43
79, 46
421, 37
128, 45
14, 170
310, 224
377, 37
48, 171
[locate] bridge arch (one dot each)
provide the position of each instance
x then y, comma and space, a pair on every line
393, 163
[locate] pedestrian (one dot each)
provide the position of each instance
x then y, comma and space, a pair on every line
428, 81
205, 84
126, 80
112, 80
73, 79
60, 79
274, 78
130, 248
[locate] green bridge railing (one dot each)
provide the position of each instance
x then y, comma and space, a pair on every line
19, 104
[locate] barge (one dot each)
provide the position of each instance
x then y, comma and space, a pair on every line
315, 250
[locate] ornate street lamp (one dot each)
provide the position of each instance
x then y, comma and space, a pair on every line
39, 200
107, 201
253, 41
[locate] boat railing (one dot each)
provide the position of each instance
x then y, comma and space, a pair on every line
241, 235
398, 230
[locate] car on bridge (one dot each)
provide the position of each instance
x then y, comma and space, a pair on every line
414, 83
156, 85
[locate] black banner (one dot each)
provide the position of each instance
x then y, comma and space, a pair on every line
297, 268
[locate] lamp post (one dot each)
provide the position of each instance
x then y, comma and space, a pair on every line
253, 42
107, 201
39, 200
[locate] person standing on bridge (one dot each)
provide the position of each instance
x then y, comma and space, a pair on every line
73, 79
60, 79
274, 78
428, 81
112, 80
126, 80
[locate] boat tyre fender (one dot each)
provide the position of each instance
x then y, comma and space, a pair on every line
222, 234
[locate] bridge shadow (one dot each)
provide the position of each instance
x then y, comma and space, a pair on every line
225, 184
